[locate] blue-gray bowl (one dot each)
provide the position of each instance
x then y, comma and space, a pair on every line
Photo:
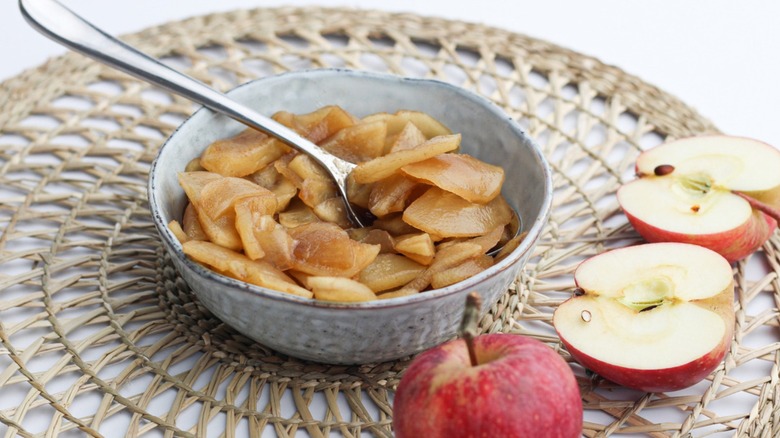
365, 332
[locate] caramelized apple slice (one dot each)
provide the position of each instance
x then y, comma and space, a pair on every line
402, 292
418, 247
409, 138
314, 192
395, 225
333, 210
249, 212
297, 214
376, 237
314, 185
269, 178
429, 126
191, 225
358, 194
221, 231
444, 259
382, 167
275, 241
458, 273
194, 166
339, 289
390, 271
486, 241
448, 215
242, 268
193, 183
391, 195
243, 154
306, 168
177, 231
319, 124
218, 198
358, 143
325, 249
463, 175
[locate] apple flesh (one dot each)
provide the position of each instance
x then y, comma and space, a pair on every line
519, 388
714, 191
656, 317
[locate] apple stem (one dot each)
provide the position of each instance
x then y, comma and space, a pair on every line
468, 325
760, 206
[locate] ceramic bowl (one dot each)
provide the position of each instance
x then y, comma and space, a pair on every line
366, 332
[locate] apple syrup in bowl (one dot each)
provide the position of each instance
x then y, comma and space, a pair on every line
314, 288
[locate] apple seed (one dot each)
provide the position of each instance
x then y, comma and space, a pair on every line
663, 169
586, 316
578, 292
695, 208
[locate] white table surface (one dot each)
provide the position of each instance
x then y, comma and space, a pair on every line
721, 57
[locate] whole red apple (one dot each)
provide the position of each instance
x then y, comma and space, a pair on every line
519, 387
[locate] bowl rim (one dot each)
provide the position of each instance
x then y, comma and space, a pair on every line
172, 244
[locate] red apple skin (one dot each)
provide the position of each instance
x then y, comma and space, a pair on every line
657, 380
673, 378
521, 389
733, 245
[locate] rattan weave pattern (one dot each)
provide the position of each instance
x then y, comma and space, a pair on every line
99, 336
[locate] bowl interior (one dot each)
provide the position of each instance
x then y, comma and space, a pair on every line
488, 134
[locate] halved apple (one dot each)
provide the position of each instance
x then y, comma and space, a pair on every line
655, 317
715, 191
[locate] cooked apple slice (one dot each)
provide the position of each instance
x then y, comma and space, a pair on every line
444, 259
240, 267
193, 183
269, 178
297, 214
395, 225
243, 154
249, 213
391, 194
382, 167
428, 125
358, 143
710, 191
191, 225
317, 125
358, 194
324, 249
339, 289
333, 210
409, 138
654, 317
418, 247
390, 271
374, 236
463, 175
447, 215
275, 242
175, 227
458, 273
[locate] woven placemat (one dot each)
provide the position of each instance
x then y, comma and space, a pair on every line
99, 335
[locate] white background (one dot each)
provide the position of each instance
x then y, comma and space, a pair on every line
720, 56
